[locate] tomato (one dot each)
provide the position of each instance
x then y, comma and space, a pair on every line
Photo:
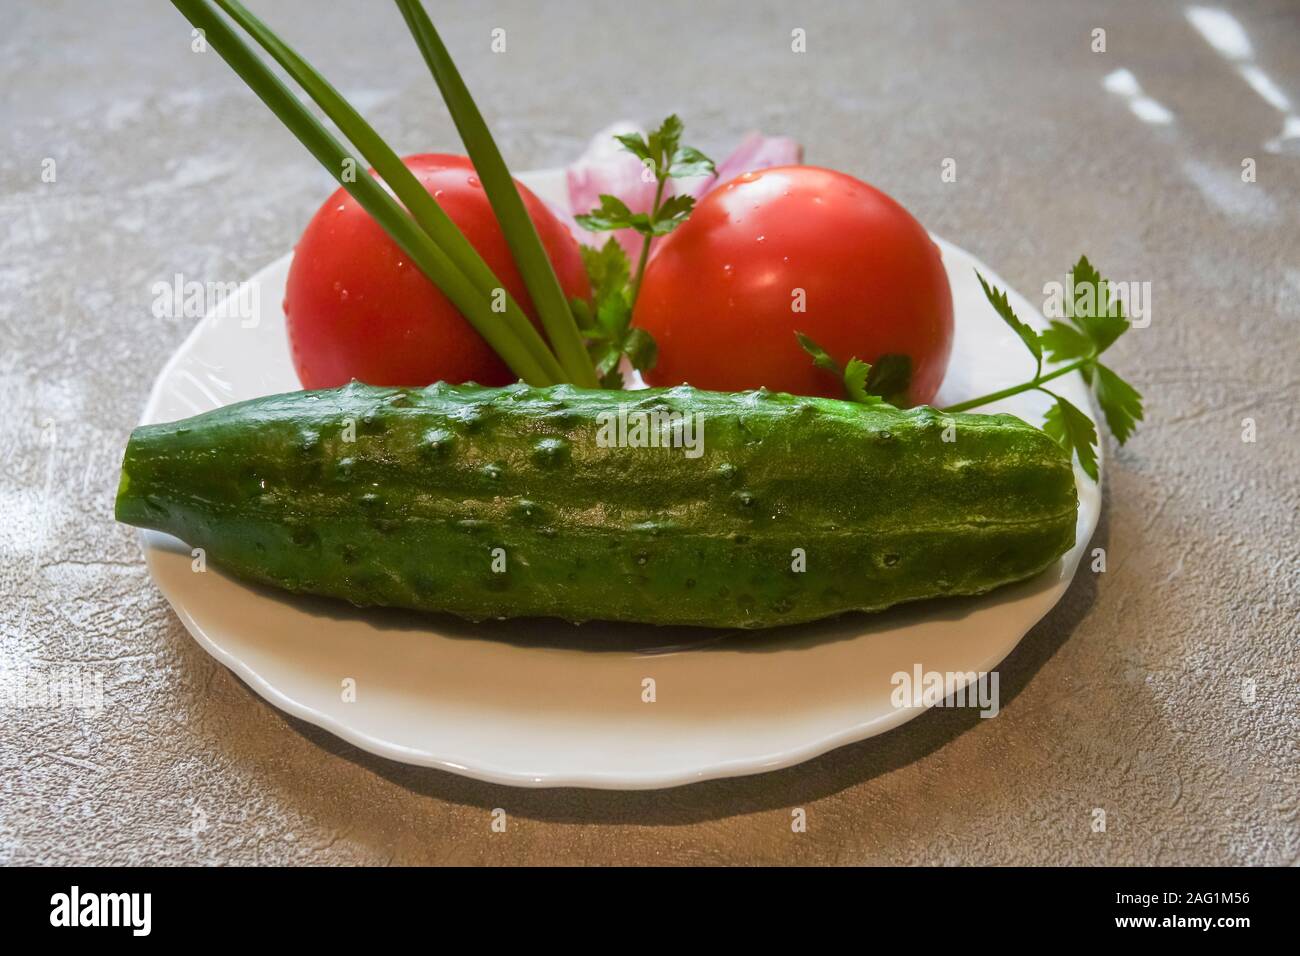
358, 308
723, 293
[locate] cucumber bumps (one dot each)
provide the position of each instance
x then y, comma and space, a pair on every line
666, 506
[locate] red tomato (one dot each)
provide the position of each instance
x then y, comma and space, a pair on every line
358, 308
722, 294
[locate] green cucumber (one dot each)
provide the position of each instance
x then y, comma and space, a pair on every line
518, 501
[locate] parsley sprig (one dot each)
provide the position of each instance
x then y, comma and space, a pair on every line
606, 325
665, 158
1096, 320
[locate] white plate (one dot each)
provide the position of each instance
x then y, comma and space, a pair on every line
545, 705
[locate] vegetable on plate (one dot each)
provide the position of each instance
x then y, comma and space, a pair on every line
665, 506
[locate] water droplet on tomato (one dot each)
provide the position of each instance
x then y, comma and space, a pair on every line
437, 194
760, 238
473, 181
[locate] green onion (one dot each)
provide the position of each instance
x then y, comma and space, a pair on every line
423, 208
520, 233
331, 154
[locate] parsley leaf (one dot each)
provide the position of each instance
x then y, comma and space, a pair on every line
1073, 431
820, 357
663, 143
607, 269
612, 316
672, 213
886, 381
1093, 309
688, 162
1063, 342
1120, 402
608, 330
856, 374
641, 349
891, 377
612, 213
635, 144
998, 299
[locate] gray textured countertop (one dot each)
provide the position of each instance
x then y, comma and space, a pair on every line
1163, 690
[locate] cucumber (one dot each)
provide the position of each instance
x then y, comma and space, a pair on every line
755, 509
